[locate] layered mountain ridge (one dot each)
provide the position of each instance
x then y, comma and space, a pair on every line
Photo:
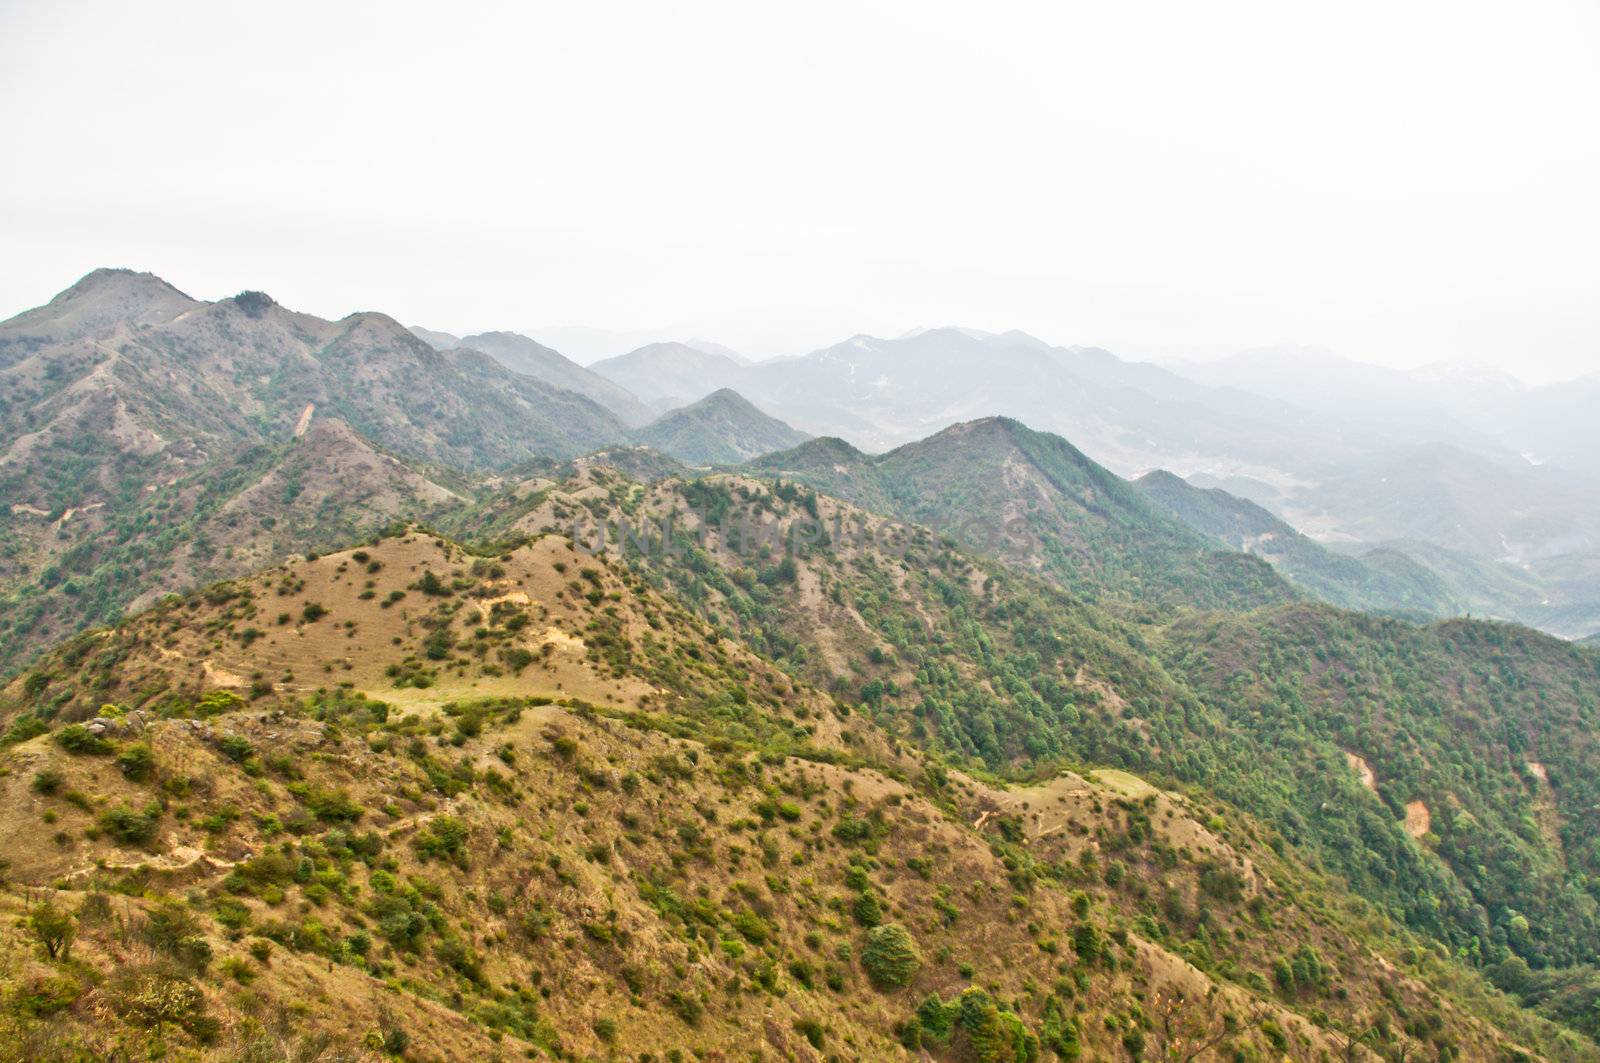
969, 743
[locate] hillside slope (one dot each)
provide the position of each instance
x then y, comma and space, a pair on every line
1000, 672
124, 404
317, 491
637, 840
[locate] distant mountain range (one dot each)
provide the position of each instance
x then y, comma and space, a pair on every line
1426, 516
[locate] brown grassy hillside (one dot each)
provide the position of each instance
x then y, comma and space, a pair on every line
330, 812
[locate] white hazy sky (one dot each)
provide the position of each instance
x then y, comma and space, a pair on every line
1401, 181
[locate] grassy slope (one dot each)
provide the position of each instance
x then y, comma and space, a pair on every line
998, 670
676, 860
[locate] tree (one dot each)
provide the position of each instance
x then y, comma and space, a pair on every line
890, 956
53, 928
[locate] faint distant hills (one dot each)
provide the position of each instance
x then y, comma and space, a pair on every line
670, 374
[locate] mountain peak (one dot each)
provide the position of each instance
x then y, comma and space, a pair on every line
97, 303
721, 429
108, 278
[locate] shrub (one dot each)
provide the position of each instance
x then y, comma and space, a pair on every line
173, 928
686, 1005
22, 729
156, 998
445, 837
992, 1034
333, 806
137, 761
868, 910
52, 928
217, 702
129, 826
48, 780
76, 738
890, 956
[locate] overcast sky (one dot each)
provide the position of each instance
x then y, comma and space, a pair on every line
1400, 182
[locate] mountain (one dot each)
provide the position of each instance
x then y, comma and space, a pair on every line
880, 393
245, 369
101, 300
1556, 426
671, 374
1033, 499
110, 437
721, 429
531, 358
1396, 585
524, 821
589, 345
967, 750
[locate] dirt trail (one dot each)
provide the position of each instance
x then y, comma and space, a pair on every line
1368, 778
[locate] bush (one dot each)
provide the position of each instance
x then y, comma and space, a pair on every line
129, 826
445, 837
156, 998
333, 806
137, 761
686, 1005
52, 928
174, 929
868, 910
993, 1034
48, 780
890, 956
76, 738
